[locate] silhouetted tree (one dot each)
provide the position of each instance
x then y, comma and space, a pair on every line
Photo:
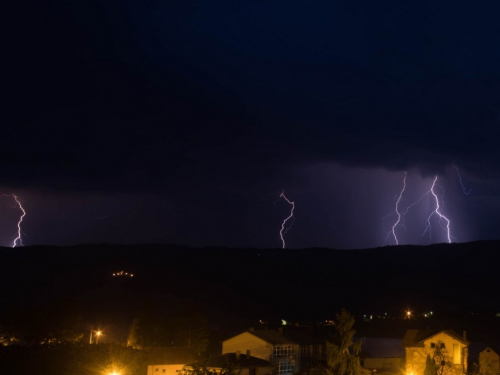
202, 368
442, 360
53, 322
342, 355
430, 366
191, 328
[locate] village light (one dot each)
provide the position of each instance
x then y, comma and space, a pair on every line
98, 333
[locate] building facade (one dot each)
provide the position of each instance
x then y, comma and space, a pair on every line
489, 362
169, 361
290, 350
448, 350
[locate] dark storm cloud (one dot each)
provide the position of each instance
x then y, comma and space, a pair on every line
203, 108
106, 93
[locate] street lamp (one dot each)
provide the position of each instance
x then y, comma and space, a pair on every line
98, 333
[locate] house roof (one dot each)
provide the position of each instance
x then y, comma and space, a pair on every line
272, 337
291, 335
416, 337
304, 335
450, 333
376, 347
477, 347
244, 361
171, 356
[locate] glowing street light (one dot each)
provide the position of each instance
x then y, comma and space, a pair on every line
97, 333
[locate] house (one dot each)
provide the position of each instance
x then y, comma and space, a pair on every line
489, 363
385, 355
291, 350
244, 363
484, 359
169, 361
449, 350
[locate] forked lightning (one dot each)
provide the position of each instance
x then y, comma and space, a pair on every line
18, 238
285, 229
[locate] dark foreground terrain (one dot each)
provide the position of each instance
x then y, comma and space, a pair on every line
53, 296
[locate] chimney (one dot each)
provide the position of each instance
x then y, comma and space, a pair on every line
238, 354
248, 353
465, 335
280, 330
251, 329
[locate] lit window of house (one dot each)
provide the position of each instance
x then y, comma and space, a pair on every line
286, 367
283, 351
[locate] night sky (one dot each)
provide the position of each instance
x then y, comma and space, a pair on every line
183, 121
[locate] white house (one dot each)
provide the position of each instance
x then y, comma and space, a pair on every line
169, 361
449, 350
245, 364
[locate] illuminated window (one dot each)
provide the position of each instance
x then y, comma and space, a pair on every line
280, 351
456, 354
286, 367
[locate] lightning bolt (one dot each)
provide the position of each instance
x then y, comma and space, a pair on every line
401, 214
461, 182
18, 238
284, 230
397, 211
438, 212
19, 223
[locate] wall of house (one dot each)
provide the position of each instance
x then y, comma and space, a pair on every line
246, 341
164, 369
454, 352
489, 362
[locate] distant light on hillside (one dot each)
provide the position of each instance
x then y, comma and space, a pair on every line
123, 274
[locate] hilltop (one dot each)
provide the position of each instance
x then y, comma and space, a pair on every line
239, 286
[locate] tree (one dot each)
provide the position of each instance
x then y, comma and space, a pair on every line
430, 366
191, 328
187, 329
343, 354
50, 322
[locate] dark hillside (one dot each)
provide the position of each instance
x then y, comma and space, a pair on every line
238, 286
